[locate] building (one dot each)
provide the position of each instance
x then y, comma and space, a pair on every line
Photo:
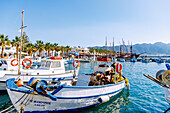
8, 50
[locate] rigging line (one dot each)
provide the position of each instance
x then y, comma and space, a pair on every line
14, 104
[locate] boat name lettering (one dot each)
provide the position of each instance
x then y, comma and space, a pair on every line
40, 102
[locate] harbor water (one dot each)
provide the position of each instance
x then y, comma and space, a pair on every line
144, 96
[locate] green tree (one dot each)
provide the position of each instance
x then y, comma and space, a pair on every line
29, 48
67, 48
3, 42
16, 43
34, 49
56, 48
91, 50
47, 48
52, 48
62, 50
40, 45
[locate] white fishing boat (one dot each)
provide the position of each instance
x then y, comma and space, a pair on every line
50, 68
38, 96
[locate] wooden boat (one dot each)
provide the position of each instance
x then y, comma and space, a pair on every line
38, 96
104, 59
50, 68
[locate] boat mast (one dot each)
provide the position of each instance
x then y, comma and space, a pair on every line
110, 49
131, 48
120, 49
21, 42
128, 46
123, 46
113, 45
106, 44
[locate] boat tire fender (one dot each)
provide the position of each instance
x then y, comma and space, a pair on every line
103, 99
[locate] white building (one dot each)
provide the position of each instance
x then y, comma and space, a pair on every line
80, 50
8, 50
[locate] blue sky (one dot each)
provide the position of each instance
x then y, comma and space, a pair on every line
87, 22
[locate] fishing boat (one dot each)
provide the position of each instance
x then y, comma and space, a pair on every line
163, 79
103, 58
160, 60
39, 96
50, 68
133, 59
122, 60
145, 60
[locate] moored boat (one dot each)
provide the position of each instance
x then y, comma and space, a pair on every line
104, 59
50, 68
38, 96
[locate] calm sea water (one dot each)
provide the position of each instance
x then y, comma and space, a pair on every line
144, 95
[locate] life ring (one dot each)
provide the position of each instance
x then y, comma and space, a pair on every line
77, 64
13, 63
118, 67
26, 65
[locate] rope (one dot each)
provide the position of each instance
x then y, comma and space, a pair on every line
11, 110
15, 102
167, 110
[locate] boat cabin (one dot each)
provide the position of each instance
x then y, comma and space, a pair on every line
48, 66
6, 65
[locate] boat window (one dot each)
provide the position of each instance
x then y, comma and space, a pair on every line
43, 64
3, 62
48, 64
55, 64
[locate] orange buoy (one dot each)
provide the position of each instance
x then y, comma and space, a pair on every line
13, 63
26, 65
77, 64
118, 67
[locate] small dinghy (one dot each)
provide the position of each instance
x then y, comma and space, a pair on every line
51, 96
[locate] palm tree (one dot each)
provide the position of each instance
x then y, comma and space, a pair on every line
47, 48
56, 48
3, 42
16, 42
91, 50
62, 49
34, 49
52, 48
40, 45
67, 49
29, 48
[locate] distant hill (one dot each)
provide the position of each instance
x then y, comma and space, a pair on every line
156, 48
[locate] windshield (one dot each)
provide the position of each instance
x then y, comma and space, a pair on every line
3, 62
45, 64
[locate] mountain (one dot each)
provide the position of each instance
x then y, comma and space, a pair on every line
156, 48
